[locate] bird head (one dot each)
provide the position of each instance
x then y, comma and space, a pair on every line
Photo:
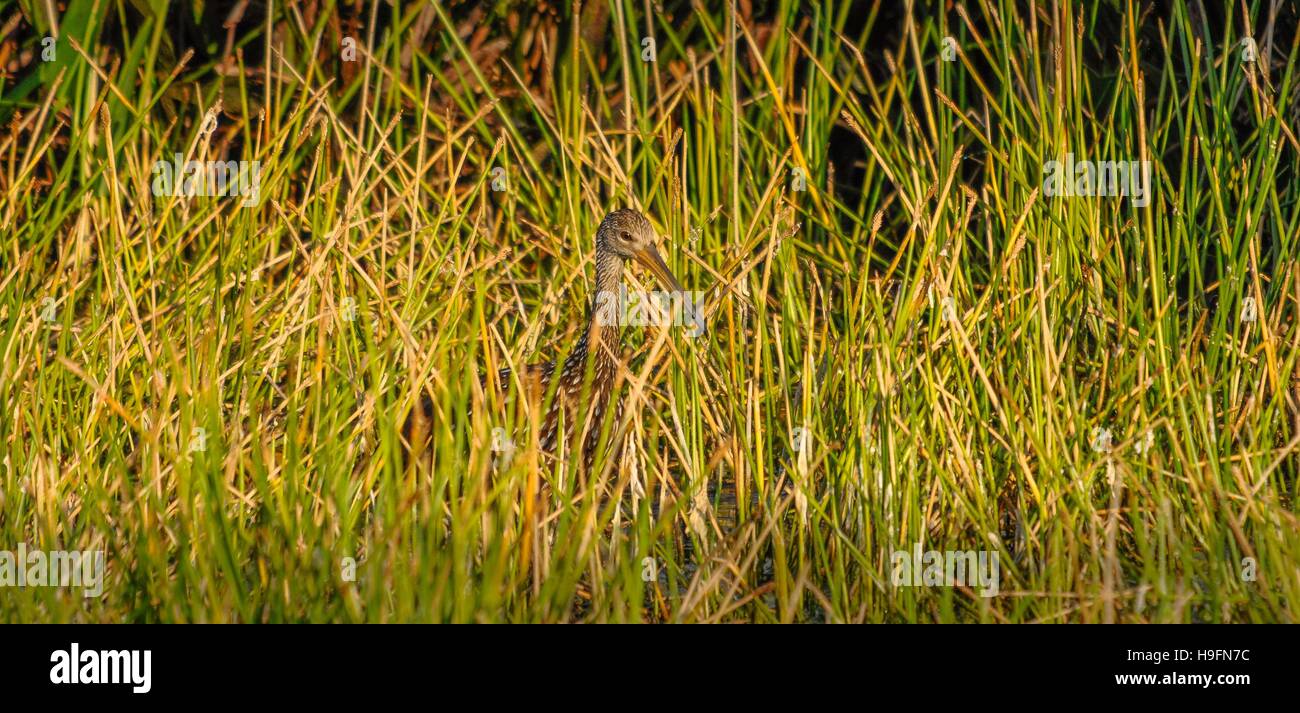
629, 235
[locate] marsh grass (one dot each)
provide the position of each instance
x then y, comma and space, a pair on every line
950, 339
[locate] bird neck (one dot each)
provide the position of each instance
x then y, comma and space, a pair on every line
605, 329
609, 271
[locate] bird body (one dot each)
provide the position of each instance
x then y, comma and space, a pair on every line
566, 405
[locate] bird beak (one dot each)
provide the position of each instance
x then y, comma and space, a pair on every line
649, 259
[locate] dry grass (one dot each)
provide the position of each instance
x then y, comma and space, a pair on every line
380, 263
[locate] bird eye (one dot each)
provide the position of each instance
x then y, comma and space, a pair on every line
626, 236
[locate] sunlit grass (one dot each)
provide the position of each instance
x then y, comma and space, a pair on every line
387, 258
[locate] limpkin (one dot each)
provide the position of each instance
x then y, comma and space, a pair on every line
622, 236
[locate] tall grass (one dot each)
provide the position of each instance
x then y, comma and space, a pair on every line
214, 394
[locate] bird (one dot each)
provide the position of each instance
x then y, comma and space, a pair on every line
589, 375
